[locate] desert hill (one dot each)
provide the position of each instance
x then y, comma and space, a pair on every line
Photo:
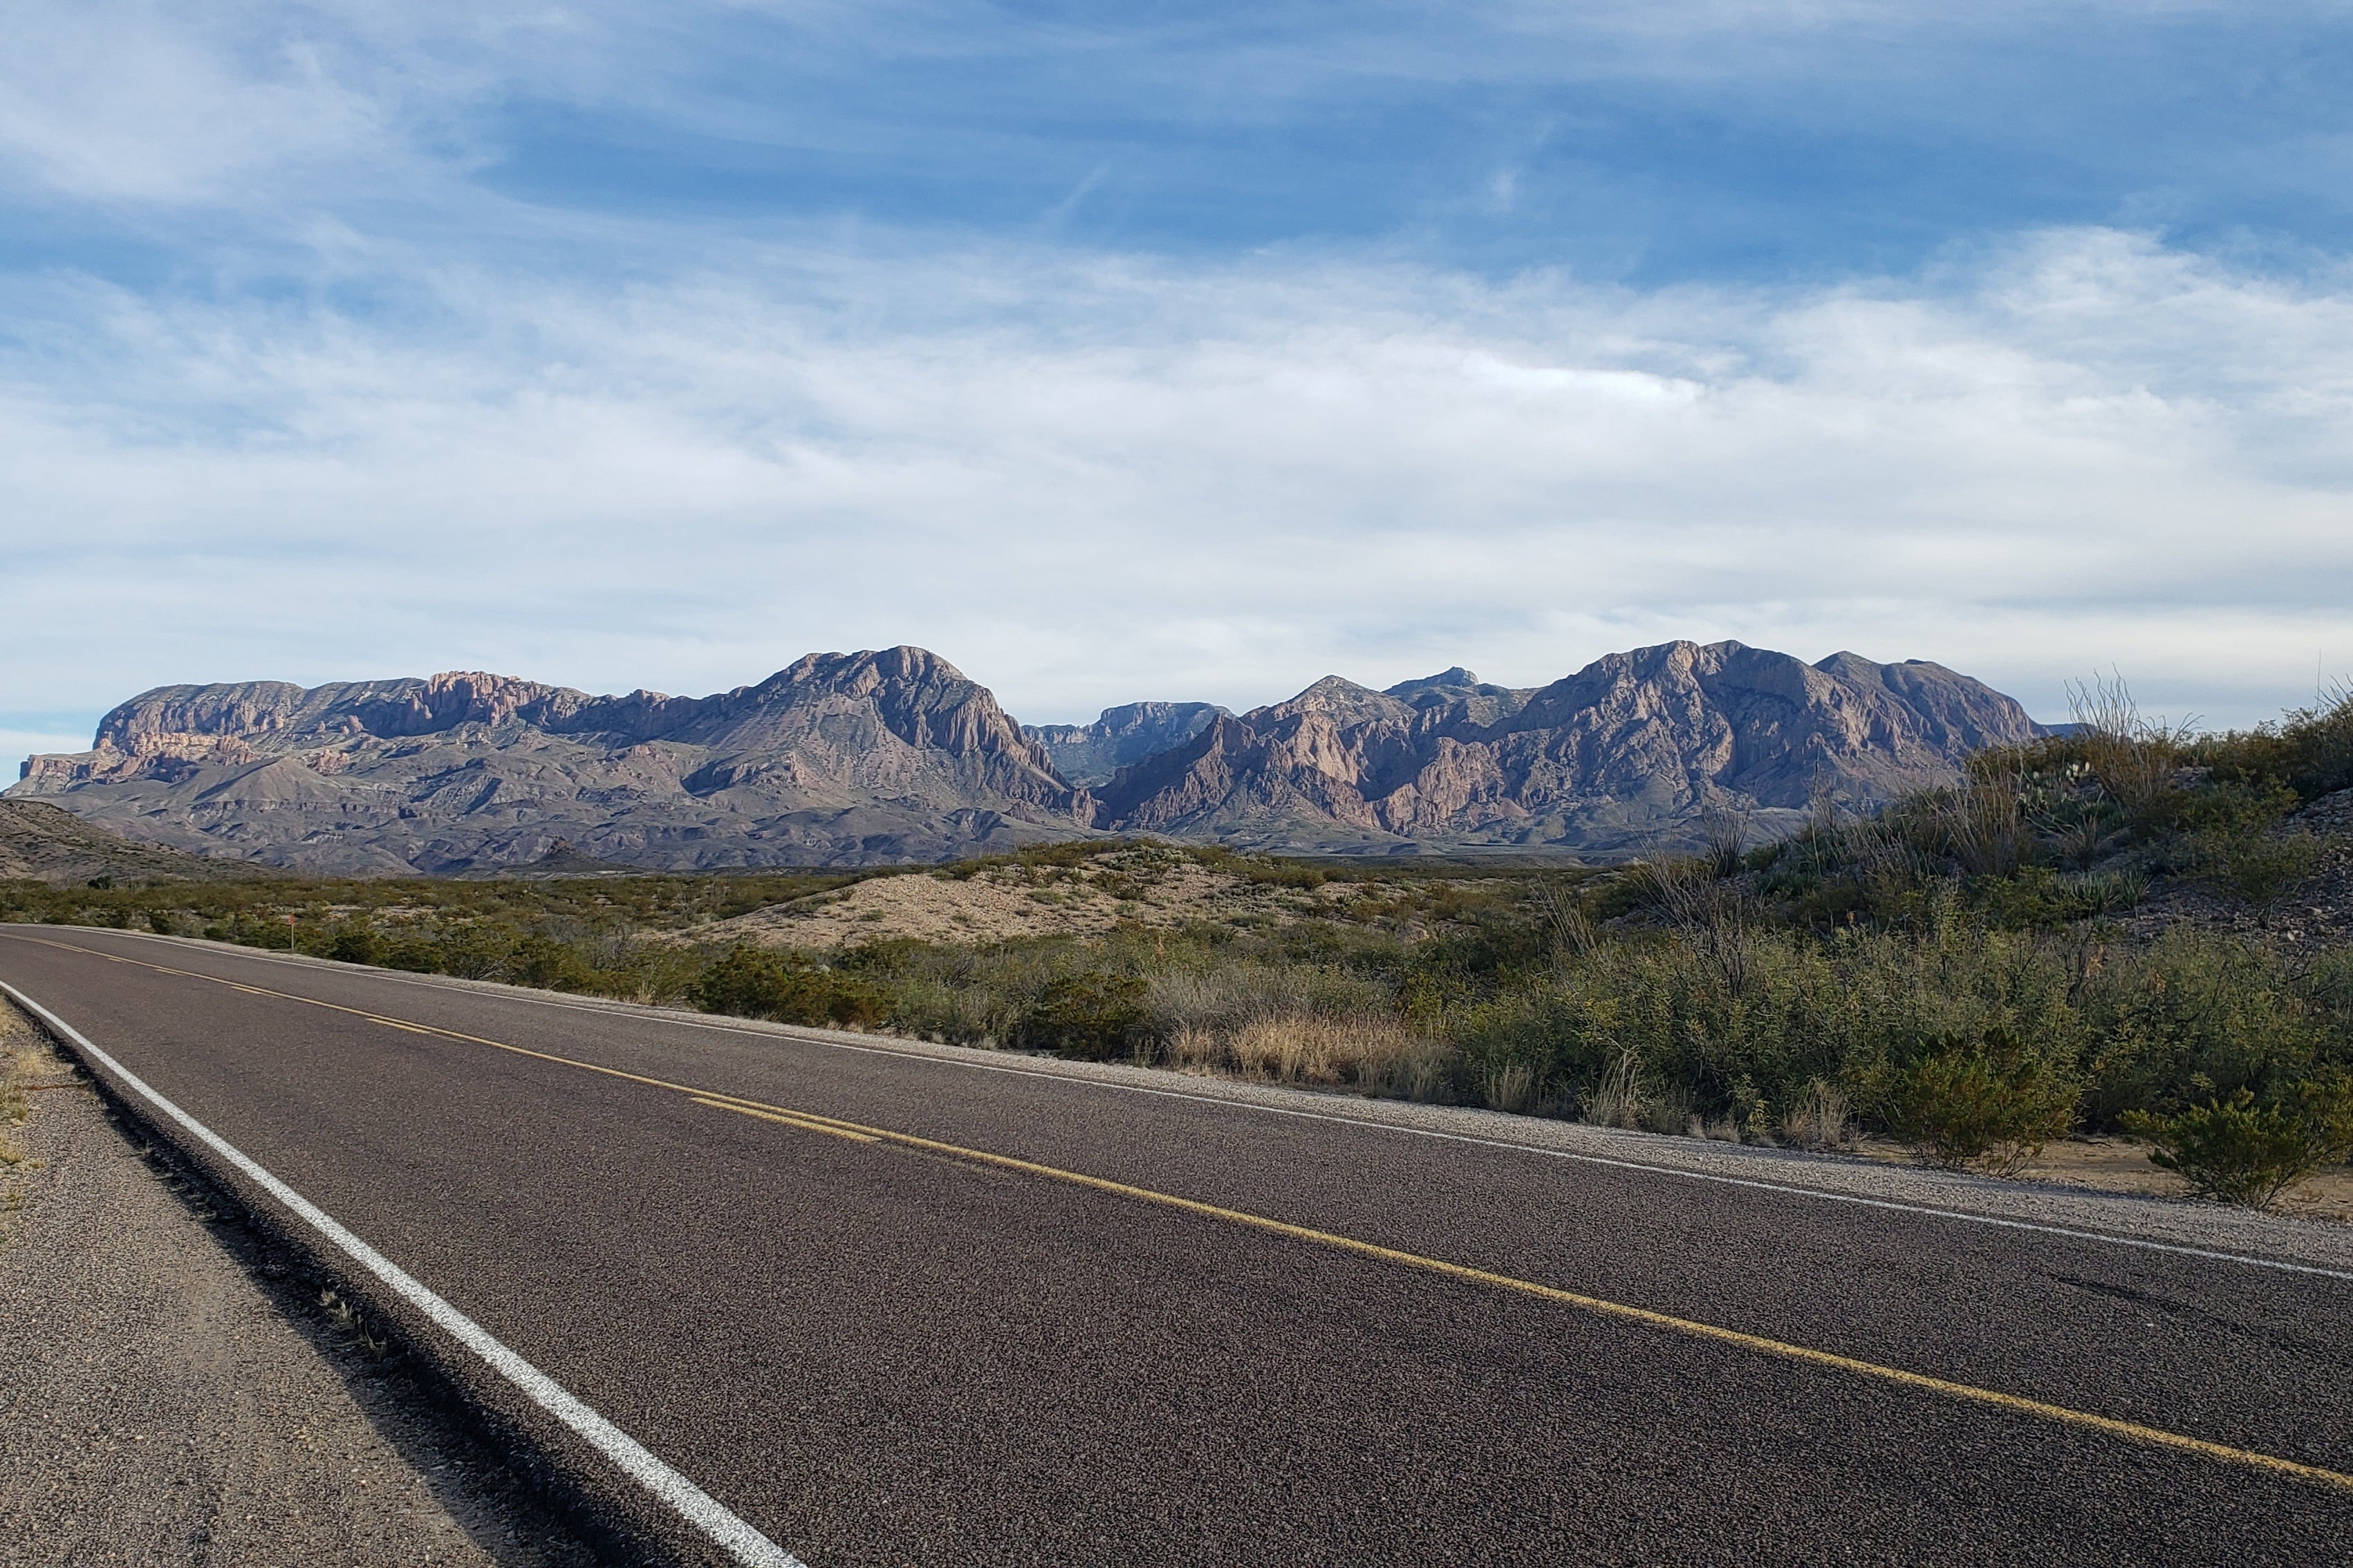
46, 843
889, 757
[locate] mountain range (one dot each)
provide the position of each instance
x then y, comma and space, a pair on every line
895, 755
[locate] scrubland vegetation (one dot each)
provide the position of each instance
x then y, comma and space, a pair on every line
2066, 940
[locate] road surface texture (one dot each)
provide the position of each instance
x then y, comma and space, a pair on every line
861, 1303
171, 1394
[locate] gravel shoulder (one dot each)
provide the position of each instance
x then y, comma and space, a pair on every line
174, 1394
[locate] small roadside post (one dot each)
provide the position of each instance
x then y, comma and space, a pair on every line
289, 933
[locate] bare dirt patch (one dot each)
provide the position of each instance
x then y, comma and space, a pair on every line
1147, 888
2120, 1165
173, 1395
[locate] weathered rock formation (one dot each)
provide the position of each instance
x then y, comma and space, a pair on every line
871, 757
840, 759
1634, 746
1088, 754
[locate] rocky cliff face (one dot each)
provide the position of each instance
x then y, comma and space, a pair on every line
1634, 746
1089, 754
840, 759
896, 755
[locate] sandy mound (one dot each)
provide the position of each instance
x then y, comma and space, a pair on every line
1140, 887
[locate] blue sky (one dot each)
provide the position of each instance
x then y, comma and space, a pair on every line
1180, 352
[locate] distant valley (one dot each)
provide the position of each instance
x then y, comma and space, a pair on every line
896, 755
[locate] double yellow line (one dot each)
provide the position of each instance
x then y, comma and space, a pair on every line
812, 1121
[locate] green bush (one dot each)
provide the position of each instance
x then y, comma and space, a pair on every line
2255, 868
2240, 1152
353, 945
752, 984
2231, 807
547, 964
2038, 897
417, 954
1972, 1100
1090, 1016
2199, 1015
2311, 749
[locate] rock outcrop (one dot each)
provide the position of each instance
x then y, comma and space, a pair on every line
863, 758
839, 759
1633, 747
1088, 754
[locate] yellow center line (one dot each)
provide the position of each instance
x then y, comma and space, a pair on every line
810, 1121
803, 1122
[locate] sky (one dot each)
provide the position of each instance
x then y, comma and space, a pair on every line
1184, 352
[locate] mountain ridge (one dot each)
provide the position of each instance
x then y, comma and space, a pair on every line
895, 755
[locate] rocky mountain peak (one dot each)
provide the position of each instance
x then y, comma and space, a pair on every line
895, 755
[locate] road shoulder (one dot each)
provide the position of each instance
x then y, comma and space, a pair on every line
176, 1394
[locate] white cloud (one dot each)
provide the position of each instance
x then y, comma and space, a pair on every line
1092, 481
16, 744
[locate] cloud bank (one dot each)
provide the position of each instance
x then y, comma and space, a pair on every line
1178, 355
1093, 478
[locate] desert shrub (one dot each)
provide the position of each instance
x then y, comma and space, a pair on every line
1090, 1016
2240, 1152
546, 964
2310, 748
1801, 1009
2137, 760
417, 954
1986, 1100
2197, 1016
2254, 867
475, 950
752, 984
2037, 897
353, 945
2225, 808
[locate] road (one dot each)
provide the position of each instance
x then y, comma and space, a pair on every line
885, 1307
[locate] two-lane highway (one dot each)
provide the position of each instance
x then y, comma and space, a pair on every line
885, 1306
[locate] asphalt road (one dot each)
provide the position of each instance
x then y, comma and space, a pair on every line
891, 1309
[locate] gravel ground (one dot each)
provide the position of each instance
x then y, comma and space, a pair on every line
172, 1396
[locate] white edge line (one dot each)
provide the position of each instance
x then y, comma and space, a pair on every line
783, 1032
745, 1544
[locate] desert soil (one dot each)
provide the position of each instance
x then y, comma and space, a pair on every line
2119, 1165
166, 1402
1142, 887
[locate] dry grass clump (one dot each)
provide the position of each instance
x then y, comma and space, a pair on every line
1822, 1120
1628, 1098
2135, 758
1377, 1055
24, 1059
